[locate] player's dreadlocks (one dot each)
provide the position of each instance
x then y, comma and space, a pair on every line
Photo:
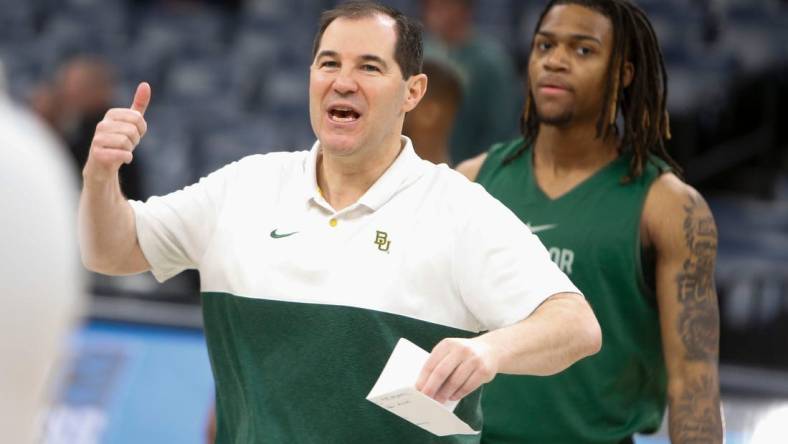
642, 103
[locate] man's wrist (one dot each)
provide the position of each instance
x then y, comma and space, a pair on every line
496, 355
97, 182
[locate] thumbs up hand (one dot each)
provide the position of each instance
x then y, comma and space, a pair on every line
116, 137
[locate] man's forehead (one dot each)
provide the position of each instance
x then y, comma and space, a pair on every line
570, 19
371, 33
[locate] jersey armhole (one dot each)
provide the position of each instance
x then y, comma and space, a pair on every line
645, 257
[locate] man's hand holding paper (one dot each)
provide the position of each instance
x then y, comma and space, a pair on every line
395, 391
457, 367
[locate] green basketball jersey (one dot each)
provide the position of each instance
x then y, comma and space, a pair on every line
593, 234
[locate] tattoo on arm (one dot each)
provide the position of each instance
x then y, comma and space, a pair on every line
698, 322
695, 415
695, 410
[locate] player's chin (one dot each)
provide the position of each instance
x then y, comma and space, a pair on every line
555, 116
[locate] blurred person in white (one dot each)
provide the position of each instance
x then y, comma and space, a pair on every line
40, 275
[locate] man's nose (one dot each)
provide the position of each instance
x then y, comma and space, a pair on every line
345, 83
556, 60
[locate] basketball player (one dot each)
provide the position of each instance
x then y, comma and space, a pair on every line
641, 244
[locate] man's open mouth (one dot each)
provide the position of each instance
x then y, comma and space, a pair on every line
343, 114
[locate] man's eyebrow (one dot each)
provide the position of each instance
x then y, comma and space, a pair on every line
326, 53
572, 36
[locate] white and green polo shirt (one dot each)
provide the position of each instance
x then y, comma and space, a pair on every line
303, 304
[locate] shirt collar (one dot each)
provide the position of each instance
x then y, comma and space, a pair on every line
311, 189
405, 169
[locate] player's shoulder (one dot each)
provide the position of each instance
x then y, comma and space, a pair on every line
669, 191
497, 152
671, 205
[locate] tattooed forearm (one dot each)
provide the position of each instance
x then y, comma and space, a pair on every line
694, 401
695, 413
698, 321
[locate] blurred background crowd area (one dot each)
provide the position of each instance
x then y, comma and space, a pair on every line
230, 78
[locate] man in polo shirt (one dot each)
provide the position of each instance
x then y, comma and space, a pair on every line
314, 263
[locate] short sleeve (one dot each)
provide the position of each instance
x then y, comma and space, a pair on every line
174, 230
503, 271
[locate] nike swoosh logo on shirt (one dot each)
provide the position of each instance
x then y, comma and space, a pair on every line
538, 228
276, 235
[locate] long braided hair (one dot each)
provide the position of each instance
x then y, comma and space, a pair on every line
642, 104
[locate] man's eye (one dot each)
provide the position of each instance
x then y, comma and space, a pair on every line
543, 46
328, 64
370, 68
583, 51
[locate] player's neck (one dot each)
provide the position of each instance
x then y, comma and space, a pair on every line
563, 150
344, 179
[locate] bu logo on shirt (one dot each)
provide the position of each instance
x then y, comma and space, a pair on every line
381, 240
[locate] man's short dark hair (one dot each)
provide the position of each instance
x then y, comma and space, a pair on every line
409, 49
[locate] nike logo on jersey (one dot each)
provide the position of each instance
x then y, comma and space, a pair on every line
276, 235
537, 228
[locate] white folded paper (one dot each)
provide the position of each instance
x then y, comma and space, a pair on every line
396, 392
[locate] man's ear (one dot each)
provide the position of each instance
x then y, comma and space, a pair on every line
417, 87
629, 74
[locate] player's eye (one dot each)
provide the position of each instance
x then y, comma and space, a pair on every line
584, 51
543, 46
